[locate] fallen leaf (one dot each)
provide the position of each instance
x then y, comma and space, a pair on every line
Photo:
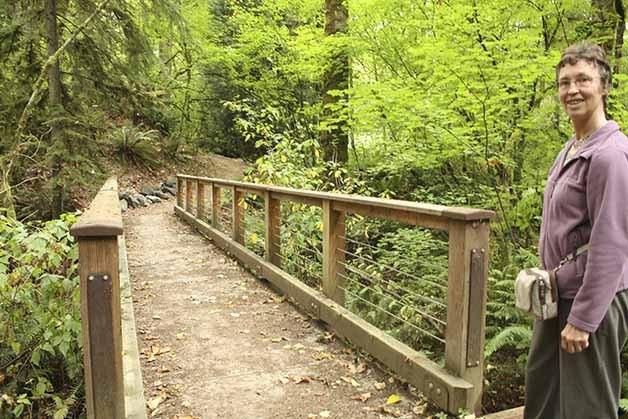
180, 336
319, 356
419, 409
393, 398
154, 402
298, 346
235, 315
151, 337
324, 414
362, 397
284, 380
388, 410
156, 317
298, 379
186, 404
380, 386
279, 300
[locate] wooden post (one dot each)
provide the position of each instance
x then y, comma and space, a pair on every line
97, 232
333, 243
200, 199
237, 215
188, 195
466, 304
272, 224
179, 192
215, 190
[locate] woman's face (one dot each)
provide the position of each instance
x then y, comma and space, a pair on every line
581, 91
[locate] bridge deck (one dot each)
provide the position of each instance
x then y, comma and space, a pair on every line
218, 343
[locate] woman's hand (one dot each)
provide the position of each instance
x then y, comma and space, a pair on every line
573, 340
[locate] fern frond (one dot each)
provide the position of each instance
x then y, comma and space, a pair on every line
516, 335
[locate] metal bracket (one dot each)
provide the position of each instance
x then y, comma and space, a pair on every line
476, 297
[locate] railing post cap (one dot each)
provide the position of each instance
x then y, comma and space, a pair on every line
103, 218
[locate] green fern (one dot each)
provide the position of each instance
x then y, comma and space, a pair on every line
133, 145
518, 336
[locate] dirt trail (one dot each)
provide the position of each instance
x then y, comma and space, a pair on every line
218, 343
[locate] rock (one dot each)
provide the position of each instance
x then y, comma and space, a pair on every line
133, 201
148, 190
124, 195
168, 189
162, 195
124, 205
153, 199
171, 182
142, 200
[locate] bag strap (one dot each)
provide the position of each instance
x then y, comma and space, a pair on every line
572, 256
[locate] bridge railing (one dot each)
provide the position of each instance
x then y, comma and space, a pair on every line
113, 382
457, 385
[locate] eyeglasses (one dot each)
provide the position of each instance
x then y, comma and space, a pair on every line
580, 82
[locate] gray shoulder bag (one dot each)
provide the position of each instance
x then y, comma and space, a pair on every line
536, 292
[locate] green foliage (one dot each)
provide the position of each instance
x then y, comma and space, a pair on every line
41, 370
134, 145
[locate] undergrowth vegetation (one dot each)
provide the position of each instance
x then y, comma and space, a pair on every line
41, 364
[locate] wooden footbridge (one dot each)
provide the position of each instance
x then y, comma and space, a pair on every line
250, 222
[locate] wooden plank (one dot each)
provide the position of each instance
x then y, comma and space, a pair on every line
408, 217
102, 339
237, 214
333, 244
103, 217
188, 194
180, 183
272, 226
463, 238
448, 391
516, 413
200, 199
477, 300
215, 204
280, 196
134, 402
316, 197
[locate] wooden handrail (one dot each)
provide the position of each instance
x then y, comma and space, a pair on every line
459, 384
97, 232
454, 213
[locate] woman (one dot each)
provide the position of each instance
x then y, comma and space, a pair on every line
574, 368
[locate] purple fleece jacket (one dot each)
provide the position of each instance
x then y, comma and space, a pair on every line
586, 200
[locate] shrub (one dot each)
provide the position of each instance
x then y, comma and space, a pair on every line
41, 371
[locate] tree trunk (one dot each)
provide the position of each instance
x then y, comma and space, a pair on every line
619, 34
605, 22
55, 104
335, 136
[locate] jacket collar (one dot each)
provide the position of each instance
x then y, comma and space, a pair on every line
595, 141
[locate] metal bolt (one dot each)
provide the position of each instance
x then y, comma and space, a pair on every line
105, 277
430, 386
91, 277
438, 391
473, 251
482, 250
